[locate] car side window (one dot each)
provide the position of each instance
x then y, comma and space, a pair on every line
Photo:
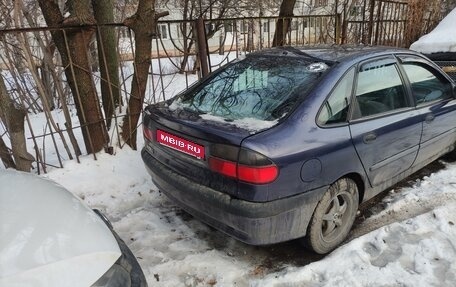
427, 85
379, 88
335, 108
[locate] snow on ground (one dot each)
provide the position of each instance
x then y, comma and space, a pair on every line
418, 251
167, 246
176, 250
441, 39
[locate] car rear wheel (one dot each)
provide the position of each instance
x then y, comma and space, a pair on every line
452, 154
333, 217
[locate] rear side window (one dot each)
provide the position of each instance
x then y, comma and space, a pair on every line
379, 88
335, 109
258, 87
427, 85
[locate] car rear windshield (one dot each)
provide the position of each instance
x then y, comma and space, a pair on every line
258, 87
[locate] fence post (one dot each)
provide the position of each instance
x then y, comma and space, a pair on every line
379, 22
371, 22
339, 39
202, 47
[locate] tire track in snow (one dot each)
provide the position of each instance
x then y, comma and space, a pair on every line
392, 215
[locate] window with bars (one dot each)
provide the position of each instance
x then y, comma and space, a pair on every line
320, 3
163, 31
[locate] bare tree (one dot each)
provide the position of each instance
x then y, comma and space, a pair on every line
212, 11
421, 19
5, 155
283, 23
12, 115
107, 57
72, 45
144, 25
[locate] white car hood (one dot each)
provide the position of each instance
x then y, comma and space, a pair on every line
48, 237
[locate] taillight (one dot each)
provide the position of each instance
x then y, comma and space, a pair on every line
148, 134
262, 174
225, 167
244, 164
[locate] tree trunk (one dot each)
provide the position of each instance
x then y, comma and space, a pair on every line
188, 43
283, 23
187, 39
144, 25
80, 12
13, 118
107, 58
5, 155
73, 46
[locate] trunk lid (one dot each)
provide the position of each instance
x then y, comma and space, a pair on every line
183, 140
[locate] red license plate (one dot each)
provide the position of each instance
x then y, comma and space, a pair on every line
180, 144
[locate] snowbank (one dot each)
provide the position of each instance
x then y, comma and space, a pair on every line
176, 250
441, 39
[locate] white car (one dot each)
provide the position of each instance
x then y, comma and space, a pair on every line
49, 237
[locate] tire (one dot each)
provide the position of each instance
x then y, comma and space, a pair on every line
451, 156
333, 217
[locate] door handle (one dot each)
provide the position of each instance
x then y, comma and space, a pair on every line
429, 118
370, 137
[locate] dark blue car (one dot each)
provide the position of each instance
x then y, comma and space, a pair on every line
287, 142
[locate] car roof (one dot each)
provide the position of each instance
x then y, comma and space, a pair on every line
333, 53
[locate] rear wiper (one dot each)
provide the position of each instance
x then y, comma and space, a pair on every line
283, 108
302, 53
194, 110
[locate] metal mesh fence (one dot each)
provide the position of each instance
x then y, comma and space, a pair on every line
448, 67
35, 76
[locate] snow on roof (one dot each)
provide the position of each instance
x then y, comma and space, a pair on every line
441, 39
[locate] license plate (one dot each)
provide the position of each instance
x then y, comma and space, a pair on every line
180, 144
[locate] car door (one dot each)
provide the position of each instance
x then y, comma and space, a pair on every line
435, 103
384, 125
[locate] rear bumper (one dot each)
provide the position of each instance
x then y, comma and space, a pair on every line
256, 223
